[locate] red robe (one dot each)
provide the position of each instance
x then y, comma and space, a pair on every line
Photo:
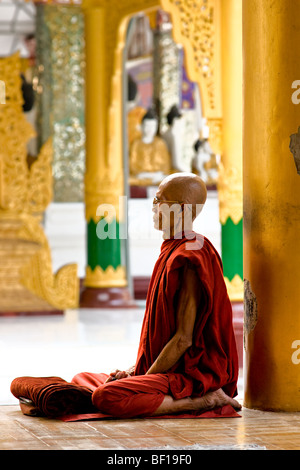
212, 361
209, 364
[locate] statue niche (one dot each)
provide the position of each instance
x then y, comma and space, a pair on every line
149, 158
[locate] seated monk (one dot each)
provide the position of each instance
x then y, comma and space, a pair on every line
187, 358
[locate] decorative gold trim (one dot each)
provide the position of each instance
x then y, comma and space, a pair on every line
40, 192
230, 190
61, 289
235, 288
109, 278
215, 126
26, 279
197, 26
104, 189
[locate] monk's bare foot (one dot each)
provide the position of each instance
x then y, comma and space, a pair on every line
209, 401
217, 399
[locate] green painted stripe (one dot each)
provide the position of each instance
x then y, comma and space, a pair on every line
103, 252
232, 248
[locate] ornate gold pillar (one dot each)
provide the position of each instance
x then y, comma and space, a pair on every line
230, 184
106, 282
271, 31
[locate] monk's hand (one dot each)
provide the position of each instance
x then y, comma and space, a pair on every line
119, 374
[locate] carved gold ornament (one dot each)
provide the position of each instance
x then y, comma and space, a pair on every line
61, 289
109, 277
197, 28
216, 135
26, 279
103, 189
235, 288
230, 190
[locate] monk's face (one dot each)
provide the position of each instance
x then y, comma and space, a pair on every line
167, 211
179, 199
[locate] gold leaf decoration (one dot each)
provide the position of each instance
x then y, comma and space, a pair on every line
230, 190
109, 277
235, 288
26, 278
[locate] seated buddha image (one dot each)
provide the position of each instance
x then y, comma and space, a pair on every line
149, 159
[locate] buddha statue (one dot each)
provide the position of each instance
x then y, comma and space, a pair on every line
149, 155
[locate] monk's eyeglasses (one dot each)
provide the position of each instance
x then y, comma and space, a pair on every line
157, 201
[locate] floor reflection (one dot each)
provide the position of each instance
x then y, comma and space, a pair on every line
80, 340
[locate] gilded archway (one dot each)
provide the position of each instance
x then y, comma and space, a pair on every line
197, 28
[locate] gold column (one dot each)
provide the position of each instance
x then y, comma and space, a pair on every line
104, 179
271, 33
96, 122
230, 184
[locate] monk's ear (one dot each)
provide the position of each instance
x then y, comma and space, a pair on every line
192, 209
187, 209
197, 209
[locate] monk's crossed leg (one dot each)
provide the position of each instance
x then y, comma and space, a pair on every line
130, 397
149, 395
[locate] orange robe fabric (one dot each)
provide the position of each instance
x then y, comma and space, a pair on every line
212, 361
209, 364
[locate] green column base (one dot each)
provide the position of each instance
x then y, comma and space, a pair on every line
106, 283
104, 255
232, 258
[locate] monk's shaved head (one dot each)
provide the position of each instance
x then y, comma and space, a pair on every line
186, 188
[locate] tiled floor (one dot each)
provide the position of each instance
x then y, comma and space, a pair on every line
255, 429
99, 341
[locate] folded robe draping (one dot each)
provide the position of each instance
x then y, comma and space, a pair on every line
137, 396
51, 396
209, 364
212, 361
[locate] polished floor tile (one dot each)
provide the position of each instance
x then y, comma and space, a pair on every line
21, 432
100, 341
